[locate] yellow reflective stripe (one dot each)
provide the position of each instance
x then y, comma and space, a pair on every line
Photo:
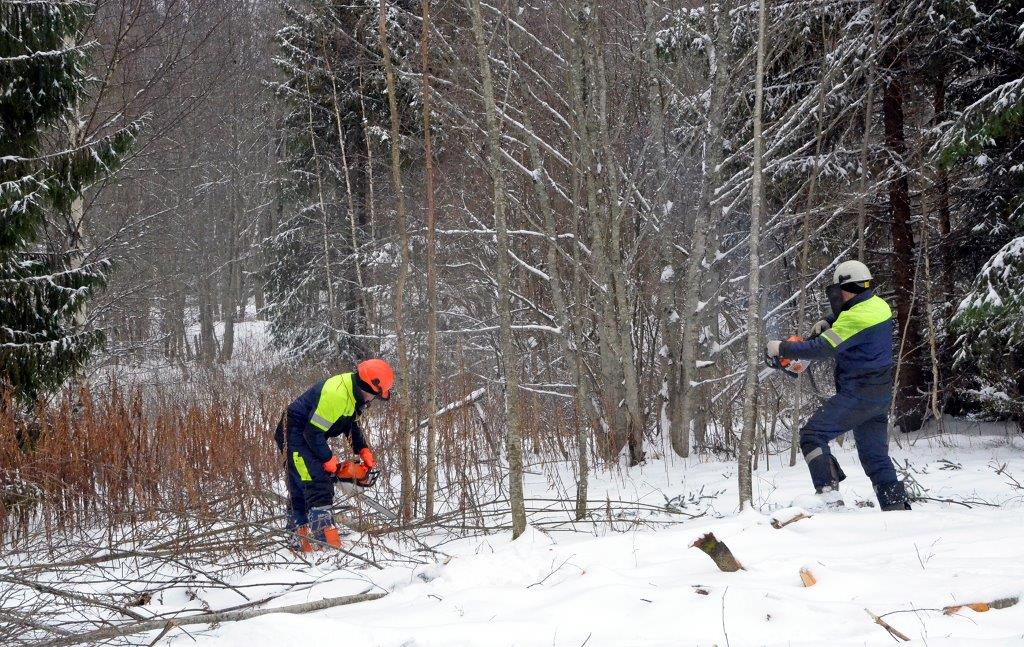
300, 467
336, 401
860, 317
832, 337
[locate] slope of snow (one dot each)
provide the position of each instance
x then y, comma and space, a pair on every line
637, 581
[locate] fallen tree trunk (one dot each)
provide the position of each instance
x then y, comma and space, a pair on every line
209, 618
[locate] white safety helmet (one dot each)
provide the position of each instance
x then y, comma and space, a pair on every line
851, 272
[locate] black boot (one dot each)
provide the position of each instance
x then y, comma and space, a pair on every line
892, 496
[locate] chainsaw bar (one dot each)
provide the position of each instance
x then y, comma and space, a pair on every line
355, 491
376, 505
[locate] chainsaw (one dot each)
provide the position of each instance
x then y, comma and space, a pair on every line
356, 472
355, 477
791, 368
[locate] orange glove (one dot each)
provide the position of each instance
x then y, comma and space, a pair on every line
368, 458
331, 465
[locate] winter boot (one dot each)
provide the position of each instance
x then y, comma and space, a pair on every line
892, 496
322, 527
299, 539
303, 536
831, 496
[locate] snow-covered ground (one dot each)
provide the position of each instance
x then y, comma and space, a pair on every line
637, 582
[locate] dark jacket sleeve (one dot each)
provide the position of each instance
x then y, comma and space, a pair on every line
816, 348
317, 441
355, 434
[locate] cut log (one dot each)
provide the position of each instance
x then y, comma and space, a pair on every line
893, 631
982, 607
719, 553
807, 577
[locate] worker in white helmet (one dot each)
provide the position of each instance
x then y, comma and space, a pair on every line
858, 335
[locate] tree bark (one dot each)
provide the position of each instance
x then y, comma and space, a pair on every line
912, 378
580, 83
621, 314
428, 161
566, 339
865, 146
404, 422
709, 213
754, 281
513, 445
668, 320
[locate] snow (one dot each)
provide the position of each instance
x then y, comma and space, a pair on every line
635, 581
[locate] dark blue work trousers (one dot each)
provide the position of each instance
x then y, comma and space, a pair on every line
309, 486
867, 416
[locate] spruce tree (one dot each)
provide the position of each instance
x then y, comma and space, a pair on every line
331, 80
43, 76
985, 147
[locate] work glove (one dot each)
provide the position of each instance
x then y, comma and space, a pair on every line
772, 348
820, 327
331, 465
368, 458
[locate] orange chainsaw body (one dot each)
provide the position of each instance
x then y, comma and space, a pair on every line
794, 365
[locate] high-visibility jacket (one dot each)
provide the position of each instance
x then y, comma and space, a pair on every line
328, 409
860, 339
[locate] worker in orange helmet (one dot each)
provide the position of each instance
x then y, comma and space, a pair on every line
328, 409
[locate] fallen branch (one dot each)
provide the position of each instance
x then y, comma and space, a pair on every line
210, 618
966, 504
982, 607
893, 631
781, 521
719, 553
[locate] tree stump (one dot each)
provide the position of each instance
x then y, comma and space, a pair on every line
719, 553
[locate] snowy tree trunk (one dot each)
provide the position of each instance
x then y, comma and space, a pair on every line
357, 260
581, 83
404, 422
668, 320
754, 281
865, 146
428, 161
718, 35
621, 315
802, 266
513, 439
911, 378
563, 318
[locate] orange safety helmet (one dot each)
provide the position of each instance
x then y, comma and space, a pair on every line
377, 374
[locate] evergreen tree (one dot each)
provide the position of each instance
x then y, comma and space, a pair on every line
332, 80
42, 77
985, 145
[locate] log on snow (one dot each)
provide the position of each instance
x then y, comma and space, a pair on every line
209, 619
719, 553
982, 607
